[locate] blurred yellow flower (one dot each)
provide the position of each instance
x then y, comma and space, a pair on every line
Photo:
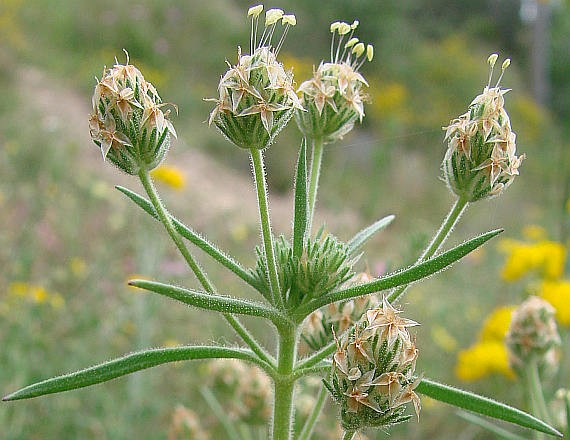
443, 338
389, 99
557, 293
170, 176
78, 266
32, 293
481, 360
545, 257
496, 325
534, 233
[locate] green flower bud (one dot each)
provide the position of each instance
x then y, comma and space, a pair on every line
127, 122
533, 337
480, 161
373, 371
333, 98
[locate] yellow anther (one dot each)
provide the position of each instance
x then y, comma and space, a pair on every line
335, 26
369, 52
351, 42
272, 16
358, 49
354, 24
344, 28
255, 11
289, 19
506, 64
492, 59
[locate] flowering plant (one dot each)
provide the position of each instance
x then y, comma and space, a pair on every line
308, 284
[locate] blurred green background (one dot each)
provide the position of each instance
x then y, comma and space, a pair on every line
69, 241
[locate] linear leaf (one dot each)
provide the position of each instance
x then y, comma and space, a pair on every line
403, 277
129, 364
208, 247
301, 207
209, 301
367, 233
483, 405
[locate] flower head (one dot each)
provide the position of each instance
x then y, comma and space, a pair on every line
128, 122
333, 98
373, 370
533, 336
256, 96
481, 159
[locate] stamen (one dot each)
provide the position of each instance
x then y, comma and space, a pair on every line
255, 11
504, 66
289, 20
491, 60
369, 52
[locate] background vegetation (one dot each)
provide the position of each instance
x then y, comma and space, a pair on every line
68, 240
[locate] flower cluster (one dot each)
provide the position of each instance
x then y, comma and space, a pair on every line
320, 326
373, 370
533, 336
257, 96
333, 98
127, 122
480, 161
488, 355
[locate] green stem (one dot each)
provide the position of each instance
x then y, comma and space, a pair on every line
307, 430
283, 411
166, 220
316, 160
441, 235
261, 187
348, 435
536, 396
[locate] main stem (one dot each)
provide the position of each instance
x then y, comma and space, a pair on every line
195, 267
261, 187
441, 235
316, 160
283, 410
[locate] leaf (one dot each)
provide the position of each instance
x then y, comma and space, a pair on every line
129, 364
491, 427
209, 301
195, 238
301, 207
483, 405
403, 277
367, 233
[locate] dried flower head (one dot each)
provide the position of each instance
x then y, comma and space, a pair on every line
481, 160
533, 337
333, 97
128, 122
373, 370
257, 96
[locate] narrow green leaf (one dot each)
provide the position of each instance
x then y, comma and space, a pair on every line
483, 405
403, 277
367, 233
491, 427
301, 207
129, 364
208, 247
209, 301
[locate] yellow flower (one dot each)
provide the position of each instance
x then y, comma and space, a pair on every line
545, 257
78, 266
38, 294
170, 176
496, 325
443, 338
534, 232
557, 293
481, 360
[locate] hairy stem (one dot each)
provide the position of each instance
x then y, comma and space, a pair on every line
283, 410
307, 430
440, 236
536, 396
209, 287
316, 160
261, 187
